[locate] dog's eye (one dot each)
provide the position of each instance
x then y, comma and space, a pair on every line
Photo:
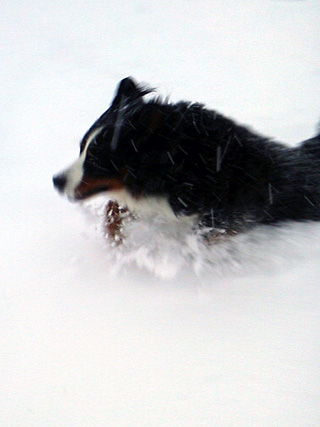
106, 134
91, 151
91, 161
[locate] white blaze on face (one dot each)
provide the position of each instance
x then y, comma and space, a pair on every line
74, 173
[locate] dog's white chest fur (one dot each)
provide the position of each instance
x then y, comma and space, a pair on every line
150, 206
147, 205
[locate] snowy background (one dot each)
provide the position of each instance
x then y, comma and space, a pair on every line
175, 341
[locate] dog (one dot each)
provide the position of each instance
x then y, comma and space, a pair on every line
187, 161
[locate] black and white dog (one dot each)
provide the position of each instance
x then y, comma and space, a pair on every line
189, 161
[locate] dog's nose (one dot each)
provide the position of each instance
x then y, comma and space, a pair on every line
59, 181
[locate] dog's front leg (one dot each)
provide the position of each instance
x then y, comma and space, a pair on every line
113, 225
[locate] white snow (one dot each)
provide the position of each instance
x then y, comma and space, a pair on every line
177, 336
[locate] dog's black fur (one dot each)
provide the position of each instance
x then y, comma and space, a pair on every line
203, 163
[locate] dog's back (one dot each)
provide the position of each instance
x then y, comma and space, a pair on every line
310, 147
300, 198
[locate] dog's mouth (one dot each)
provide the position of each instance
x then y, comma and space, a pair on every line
78, 196
89, 187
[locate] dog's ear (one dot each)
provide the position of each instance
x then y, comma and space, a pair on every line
128, 95
129, 91
127, 87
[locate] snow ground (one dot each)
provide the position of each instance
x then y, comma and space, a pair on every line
174, 341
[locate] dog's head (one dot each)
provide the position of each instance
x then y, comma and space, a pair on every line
112, 150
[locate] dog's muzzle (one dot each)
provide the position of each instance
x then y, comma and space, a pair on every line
59, 182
